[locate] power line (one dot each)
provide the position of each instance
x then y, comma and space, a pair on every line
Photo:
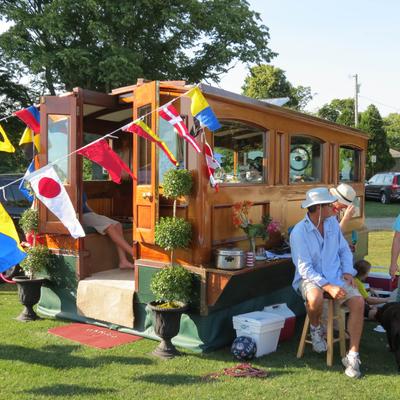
379, 102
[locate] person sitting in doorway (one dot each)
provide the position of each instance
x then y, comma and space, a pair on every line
113, 229
324, 263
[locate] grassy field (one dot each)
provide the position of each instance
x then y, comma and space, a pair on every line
379, 246
37, 365
375, 209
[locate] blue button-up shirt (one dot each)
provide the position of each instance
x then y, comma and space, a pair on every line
321, 260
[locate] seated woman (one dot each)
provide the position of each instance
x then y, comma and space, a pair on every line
113, 229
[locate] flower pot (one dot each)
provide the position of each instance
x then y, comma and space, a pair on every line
29, 295
166, 326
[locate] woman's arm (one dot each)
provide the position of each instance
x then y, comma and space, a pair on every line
376, 300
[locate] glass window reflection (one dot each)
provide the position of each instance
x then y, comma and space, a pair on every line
58, 128
239, 148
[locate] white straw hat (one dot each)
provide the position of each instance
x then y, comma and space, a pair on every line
318, 195
345, 194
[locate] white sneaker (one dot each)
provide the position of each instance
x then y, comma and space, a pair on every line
352, 364
317, 339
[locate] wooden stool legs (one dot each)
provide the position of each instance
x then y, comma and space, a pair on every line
330, 341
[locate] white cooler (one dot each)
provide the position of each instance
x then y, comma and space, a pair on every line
263, 327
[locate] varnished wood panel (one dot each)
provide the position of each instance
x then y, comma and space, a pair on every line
215, 286
144, 214
223, 229
61, 242
102, 206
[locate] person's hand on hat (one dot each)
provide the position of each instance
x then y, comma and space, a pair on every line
350, 211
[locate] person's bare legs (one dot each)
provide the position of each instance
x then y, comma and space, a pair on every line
355, 322
315, 302
116, 234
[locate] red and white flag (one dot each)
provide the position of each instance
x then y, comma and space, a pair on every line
51, 192
212, 165
170, 114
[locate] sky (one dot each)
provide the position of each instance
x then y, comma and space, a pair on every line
323, 44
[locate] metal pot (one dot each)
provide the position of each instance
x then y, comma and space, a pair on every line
232, 258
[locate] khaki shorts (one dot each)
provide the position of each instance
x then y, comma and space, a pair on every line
98, 222
351, 291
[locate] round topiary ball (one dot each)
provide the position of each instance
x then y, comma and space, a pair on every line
177, 183
172, 233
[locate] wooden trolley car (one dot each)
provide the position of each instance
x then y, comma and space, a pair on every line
269, 155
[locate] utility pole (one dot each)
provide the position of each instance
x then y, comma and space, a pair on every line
357, 88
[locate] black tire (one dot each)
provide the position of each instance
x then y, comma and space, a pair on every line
385, 198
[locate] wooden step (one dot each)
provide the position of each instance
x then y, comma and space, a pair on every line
108, 296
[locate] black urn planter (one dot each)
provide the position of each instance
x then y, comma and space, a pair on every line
29, 295
166, 326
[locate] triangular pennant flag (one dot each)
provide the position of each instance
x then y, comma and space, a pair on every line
22, 185
5, 144
51, 192
143, 130
30, 143
31, 117
202, 111
212, 165
170, 114
11, 252
101, 153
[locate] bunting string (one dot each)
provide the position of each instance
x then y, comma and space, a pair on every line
32, 174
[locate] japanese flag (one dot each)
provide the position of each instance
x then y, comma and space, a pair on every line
51, 192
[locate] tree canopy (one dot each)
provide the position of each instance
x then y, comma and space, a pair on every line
102, 44
340, 111
392, 128
267, 81
372, 123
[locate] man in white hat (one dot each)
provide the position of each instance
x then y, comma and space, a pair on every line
345, 206
324, 263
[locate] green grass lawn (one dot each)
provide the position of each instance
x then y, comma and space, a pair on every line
379, 246
37, 365
375, 209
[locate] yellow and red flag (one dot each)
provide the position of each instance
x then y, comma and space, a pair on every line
143, 130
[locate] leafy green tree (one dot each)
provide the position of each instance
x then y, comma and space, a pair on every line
267, 81
101, 44
340, 111
392, 128
12, 95
372, 123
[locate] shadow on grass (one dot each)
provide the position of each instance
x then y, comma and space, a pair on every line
67, 390
170, 379
375, 357
60, 357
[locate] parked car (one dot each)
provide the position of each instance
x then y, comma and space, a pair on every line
15, 204
384, 187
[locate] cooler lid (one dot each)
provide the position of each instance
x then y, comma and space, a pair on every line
233, 251
259, 318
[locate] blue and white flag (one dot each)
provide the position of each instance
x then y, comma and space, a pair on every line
22, 186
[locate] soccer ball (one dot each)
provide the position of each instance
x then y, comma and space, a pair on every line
244, 348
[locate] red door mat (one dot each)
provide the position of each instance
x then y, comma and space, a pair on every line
92, 335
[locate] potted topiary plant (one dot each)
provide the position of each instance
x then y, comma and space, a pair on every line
172, 285
38, 259
29, 223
